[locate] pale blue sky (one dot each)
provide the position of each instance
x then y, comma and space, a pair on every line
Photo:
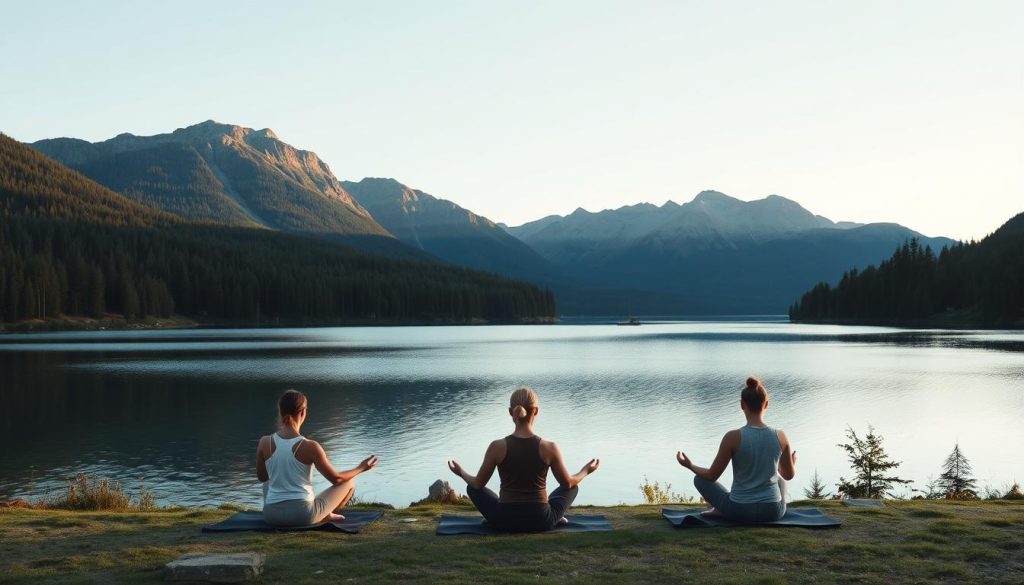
868, 111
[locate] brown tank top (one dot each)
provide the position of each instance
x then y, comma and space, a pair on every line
523, 473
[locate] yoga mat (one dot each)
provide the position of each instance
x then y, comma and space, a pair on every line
804, 517
352, 524
450, 524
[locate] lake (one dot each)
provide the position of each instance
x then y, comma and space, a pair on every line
181, 410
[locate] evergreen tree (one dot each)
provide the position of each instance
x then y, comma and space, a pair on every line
956, 481
870, 464
970, 282
816, 491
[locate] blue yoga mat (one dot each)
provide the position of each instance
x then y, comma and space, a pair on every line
352, 524
804, 517
451, 524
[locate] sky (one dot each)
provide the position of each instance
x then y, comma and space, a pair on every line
911, 112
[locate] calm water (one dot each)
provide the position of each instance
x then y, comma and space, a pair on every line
182, 410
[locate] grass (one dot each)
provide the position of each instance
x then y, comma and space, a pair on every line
905, 542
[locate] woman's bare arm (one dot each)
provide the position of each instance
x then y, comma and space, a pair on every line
561, 473
494, 454
728, 446
262, 453
312, 453
787, 462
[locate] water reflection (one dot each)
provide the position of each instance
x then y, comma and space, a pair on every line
182, 410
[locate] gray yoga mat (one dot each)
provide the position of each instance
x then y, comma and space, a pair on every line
352, 524
804, 517
451, 524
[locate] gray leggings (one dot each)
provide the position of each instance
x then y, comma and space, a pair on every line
715, 494
305, 512
522, 517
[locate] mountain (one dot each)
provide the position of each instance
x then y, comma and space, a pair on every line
445, 230
973, 284
712, 255
69, 246
227, 174
712, 219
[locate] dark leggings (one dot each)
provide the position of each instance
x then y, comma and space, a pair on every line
715, 494
526, 517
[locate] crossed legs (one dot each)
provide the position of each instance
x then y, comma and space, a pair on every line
332, 499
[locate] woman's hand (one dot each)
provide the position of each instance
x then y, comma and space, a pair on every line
684, 460
368, 463
590, 466
456, 468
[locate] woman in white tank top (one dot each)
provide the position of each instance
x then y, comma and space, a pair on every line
284, 463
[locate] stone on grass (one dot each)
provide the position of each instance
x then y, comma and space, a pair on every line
216, 568
442, 492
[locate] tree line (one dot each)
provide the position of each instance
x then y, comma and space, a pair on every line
69, 246
874, 475
978, 283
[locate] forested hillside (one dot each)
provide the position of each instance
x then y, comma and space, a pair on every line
71, 246
171, 177
977, 283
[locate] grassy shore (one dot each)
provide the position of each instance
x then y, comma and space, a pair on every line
905, 542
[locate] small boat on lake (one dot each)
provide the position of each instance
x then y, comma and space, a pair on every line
632, 321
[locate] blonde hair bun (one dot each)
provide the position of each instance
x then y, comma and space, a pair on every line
522, 400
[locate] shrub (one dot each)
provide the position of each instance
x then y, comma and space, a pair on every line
655, 493
1014, 493
1007, 492
86, 493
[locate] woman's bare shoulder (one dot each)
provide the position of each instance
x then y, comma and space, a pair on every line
264, 446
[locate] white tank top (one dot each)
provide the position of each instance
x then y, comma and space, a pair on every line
290, 479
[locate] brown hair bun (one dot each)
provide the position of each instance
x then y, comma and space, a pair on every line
754, 395
290, 404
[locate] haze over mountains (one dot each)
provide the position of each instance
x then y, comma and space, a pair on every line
711, 219
714, 254
446, 230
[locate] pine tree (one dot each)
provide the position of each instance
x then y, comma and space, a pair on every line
956, 481
816, 491
870, 463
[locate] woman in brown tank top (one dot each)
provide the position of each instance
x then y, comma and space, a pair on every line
523, 460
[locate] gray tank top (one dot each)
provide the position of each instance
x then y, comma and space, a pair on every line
755, 467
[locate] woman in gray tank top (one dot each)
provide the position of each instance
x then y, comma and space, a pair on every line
762, 462
523, 460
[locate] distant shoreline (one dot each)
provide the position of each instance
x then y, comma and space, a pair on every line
112, 322
957, 322
119, 323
